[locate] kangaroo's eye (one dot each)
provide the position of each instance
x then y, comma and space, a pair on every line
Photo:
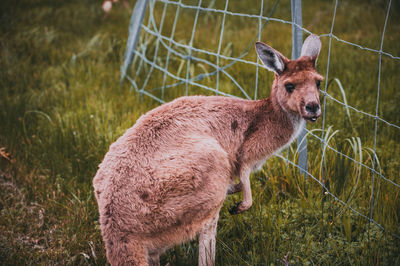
318, 83
289, 87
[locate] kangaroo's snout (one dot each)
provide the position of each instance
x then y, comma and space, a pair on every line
312, 107
312, 111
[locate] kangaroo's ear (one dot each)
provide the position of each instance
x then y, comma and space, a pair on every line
311, 47
272, 59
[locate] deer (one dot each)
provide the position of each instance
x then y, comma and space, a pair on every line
164, 181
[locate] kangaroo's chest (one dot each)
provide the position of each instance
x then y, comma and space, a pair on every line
298, 126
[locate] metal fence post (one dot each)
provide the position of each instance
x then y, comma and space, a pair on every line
297, 41
135, 25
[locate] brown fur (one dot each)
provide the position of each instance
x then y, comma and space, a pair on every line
165, 180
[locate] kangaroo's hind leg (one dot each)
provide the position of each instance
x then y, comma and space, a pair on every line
207, 242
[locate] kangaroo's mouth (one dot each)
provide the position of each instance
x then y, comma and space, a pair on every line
311, 118
311, 112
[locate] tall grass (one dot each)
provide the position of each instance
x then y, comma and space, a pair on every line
62, 106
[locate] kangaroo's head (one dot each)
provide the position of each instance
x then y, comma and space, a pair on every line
296, 84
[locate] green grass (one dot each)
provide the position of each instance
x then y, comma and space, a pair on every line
62, 106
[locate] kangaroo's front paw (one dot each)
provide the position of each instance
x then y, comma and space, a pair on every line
234, 209
238, 208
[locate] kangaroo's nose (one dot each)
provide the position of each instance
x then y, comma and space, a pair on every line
312, 107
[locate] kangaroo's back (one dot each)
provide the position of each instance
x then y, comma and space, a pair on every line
170, 126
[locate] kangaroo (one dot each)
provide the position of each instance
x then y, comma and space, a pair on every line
164, 181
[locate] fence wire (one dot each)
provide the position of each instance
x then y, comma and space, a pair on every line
189, 54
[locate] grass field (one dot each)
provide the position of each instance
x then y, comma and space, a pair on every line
61, 106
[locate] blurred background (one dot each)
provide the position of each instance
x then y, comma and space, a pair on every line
62, 105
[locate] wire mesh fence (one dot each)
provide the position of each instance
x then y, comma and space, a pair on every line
182, 47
